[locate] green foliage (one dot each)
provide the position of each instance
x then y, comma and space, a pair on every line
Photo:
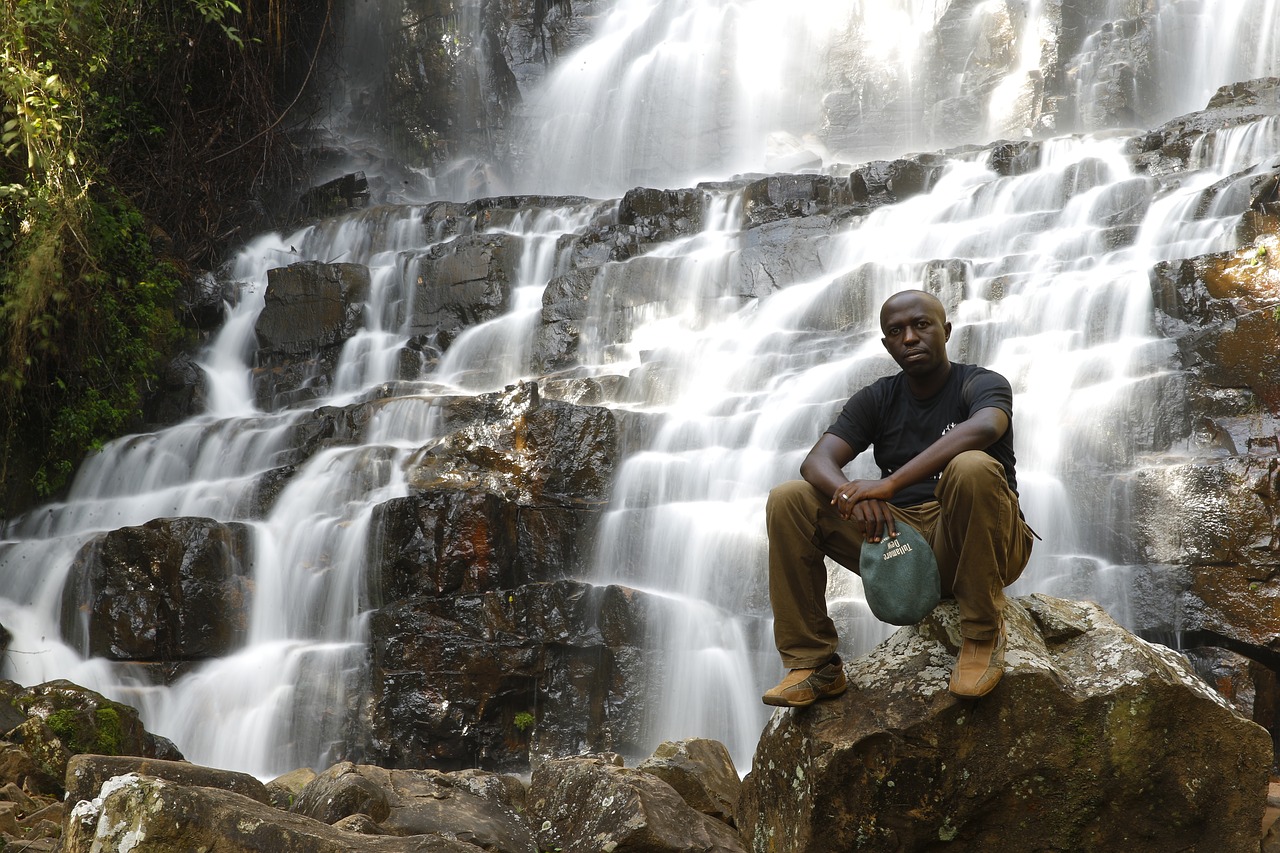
85, 304
217, 12
117, 339
524, 720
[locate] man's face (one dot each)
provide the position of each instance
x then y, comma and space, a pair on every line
915, 333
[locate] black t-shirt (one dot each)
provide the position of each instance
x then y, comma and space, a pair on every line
885, 414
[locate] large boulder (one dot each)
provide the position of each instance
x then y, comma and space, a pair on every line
655, 215
311, 309
457, 284
479, 808
311, 305
135, 812
86, 774
63, 720
701, 771
173, 589
631, 811
1094, 740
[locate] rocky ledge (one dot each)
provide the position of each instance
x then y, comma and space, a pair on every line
1094, 740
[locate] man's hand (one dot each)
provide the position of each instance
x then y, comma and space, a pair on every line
865, 502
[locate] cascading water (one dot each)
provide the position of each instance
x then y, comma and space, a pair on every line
1047, 272
280, 701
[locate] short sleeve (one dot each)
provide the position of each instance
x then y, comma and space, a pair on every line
986, 389
856, 424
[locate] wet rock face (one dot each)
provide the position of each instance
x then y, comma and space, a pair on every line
311, 309
565, 305
461, 283
311, 305
1093, 740
482, 655
497, 679
1214, 512
657, 215
169, 590
1170, 147
539, 452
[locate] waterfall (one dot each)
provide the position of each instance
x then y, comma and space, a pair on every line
1046, 275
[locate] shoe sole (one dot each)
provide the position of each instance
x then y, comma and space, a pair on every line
783, 702
976, 694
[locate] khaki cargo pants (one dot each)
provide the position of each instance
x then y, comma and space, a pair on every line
978, 535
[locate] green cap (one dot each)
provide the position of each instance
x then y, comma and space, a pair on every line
900, 577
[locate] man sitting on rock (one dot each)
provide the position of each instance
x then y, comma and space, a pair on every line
943, 439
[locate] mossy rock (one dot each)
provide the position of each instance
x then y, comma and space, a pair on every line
64, 719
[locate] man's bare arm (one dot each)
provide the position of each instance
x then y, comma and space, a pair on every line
865, 500
824, 466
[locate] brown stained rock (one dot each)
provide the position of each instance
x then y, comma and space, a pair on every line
517, 445
178, 819
701, 771
1227, 301
87, 773
589, 804
1094, 740
1217, 512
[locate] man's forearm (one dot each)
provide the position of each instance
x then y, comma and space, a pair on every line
823, 468
978, 433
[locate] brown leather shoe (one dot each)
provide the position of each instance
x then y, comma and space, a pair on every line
803, 687
979, 665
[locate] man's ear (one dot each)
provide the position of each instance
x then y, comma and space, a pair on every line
884, 342
947, 327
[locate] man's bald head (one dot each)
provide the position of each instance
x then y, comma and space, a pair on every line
923, 299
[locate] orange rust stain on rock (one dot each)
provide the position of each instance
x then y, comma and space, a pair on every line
1250, 278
